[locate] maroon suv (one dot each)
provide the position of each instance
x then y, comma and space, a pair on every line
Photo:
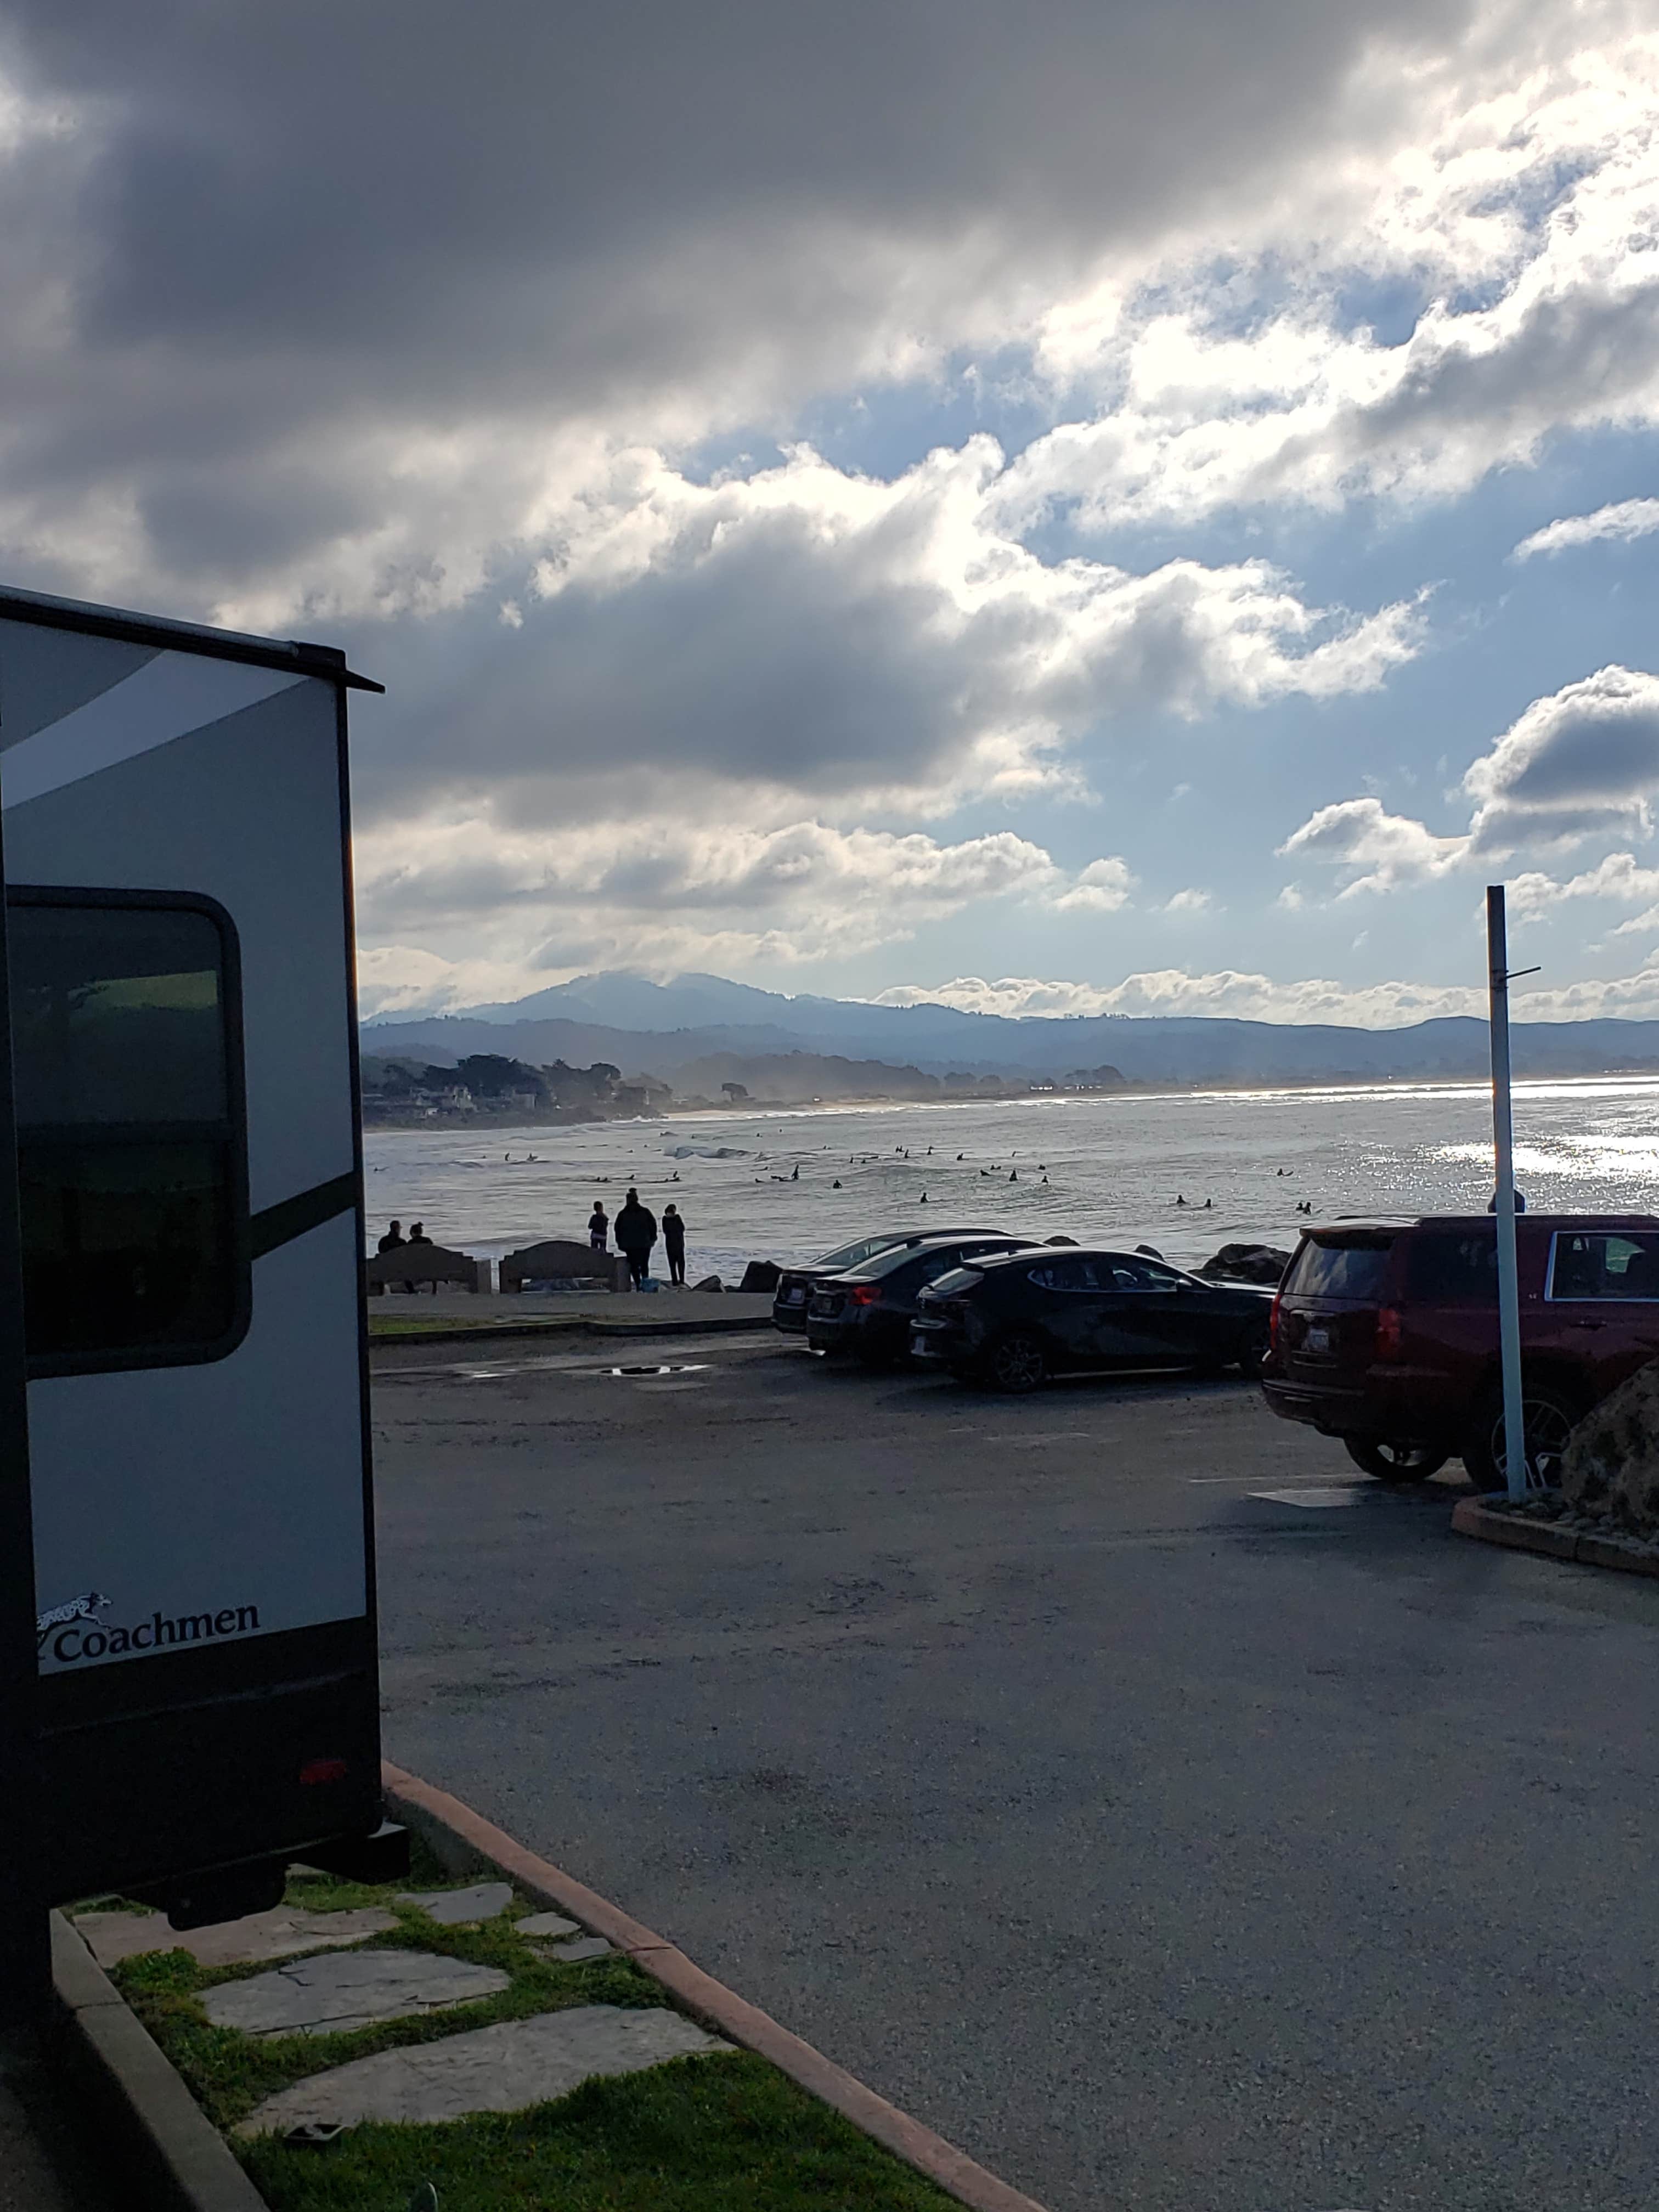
1385, 1334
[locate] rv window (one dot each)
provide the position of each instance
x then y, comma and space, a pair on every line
130, 1143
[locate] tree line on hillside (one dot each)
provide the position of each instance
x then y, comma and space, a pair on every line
490, 1085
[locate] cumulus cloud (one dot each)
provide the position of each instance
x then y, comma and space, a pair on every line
1175, 991
1190, 901
807, 634
1618, 877
1522, 221
1101, 888
663, 896
1249, 997
1626, 520
479, 345
1581, 762
1380, 851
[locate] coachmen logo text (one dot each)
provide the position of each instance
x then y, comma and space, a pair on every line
73, 1630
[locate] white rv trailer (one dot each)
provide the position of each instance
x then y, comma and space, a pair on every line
183, 1040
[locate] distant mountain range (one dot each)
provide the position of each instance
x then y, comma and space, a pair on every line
661, 1029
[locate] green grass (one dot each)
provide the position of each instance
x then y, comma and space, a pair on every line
716, 2134
721, 2133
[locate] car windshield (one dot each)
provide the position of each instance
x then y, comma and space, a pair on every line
861, 1248
1349, 1267
888, 1263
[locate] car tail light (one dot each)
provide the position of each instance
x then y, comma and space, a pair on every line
864, 1294
1388, 1333
1273, 1319
323, 1770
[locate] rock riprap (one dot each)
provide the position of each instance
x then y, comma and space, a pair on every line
502, 2068
278, 1933
1247, 1263
1610, 1468
461, 1908
348, 1989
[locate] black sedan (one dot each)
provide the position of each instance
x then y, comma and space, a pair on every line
1014, 1321
795, 1285
867, 1310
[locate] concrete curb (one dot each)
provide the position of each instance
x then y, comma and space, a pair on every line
464, 1842
174, 2157
1472, 1517
493, 1332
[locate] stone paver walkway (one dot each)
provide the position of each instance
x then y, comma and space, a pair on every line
276, 1934
461, 1908
488, 2069
348, 1989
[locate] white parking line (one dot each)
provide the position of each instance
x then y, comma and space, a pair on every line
1315, 1498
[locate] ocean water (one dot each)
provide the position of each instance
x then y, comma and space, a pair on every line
1114, 1167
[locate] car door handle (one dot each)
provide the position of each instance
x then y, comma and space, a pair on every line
1587, 1324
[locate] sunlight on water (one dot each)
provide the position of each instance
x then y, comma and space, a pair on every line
1115, 1167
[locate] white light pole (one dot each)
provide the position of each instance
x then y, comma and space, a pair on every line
1509, 1284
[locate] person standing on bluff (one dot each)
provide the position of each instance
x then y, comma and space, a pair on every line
673, 1243
598, 1227
635, 1233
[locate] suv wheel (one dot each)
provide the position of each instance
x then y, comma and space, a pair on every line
1016, 1364
1550, 1415
1395, 1462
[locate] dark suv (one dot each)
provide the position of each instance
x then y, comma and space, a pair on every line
1385, 1334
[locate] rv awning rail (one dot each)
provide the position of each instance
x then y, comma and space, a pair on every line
324, 661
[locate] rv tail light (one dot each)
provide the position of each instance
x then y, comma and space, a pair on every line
1388, 1333
865, 1294
324, 1770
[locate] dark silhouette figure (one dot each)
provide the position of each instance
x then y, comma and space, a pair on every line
598, 1227
673, 1243
418, 1233
393, 1239
636, 1233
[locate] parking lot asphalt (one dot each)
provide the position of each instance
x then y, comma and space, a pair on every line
1113, 1778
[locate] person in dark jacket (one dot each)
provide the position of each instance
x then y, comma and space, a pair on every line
673, 1243
636, 1233
393, 1239
598, 1227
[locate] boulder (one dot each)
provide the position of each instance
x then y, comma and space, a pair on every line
1610, 1468
1247, 1263
761, 1275
709, 1283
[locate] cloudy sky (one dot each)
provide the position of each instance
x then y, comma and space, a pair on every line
1059, 507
